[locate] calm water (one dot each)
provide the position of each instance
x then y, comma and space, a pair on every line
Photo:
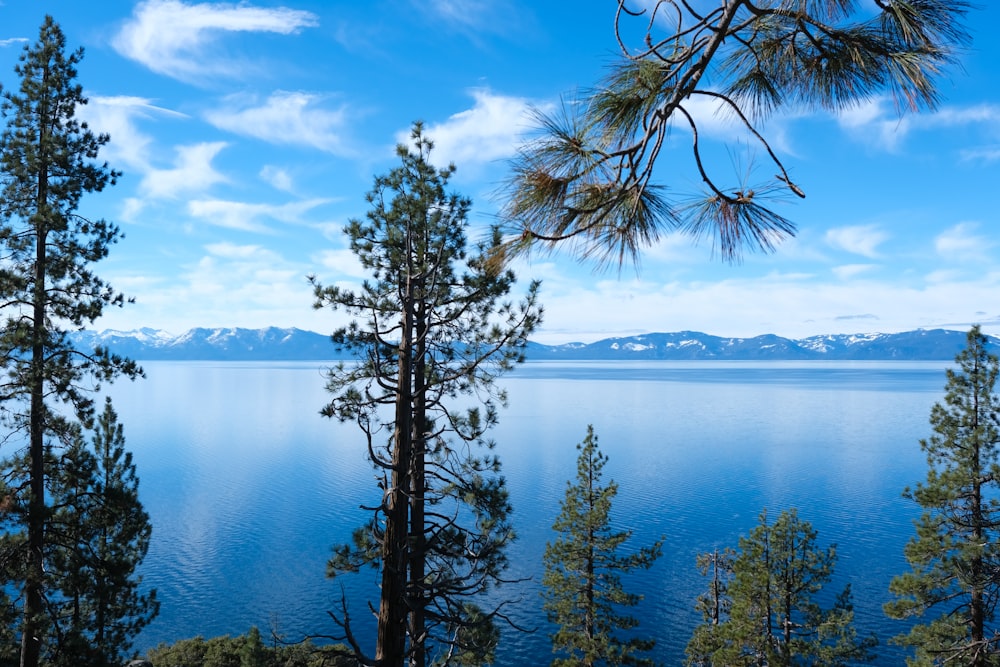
248, 487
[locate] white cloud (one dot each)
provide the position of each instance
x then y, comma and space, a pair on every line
223, 284
248, 217
12, 41
492, 129
235, 251
174, 38
877, 121
131, 208
117, 116
747, 307
242, 284
475, 17
859, 239
192, 172
341, 263
958, 116
850, 271
674, 247
942, 276
961, 243
285, 118
277, 178
988, 154
871, 122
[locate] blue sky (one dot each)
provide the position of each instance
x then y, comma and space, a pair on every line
249, 134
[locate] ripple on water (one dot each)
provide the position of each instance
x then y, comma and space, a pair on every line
248, 488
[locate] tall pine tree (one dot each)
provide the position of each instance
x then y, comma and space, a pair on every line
583, 567
98, 535
762, 606
433, 331
47, 286
955, 580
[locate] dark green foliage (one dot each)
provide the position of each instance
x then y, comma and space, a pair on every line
433, 332
98, 534
246, 651
954, 580
761, 608
47, 286
591, 176
583, 567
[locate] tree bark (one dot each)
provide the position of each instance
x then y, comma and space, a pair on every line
31, 638
390, 648
418, 655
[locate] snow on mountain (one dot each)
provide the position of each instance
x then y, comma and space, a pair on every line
277, 344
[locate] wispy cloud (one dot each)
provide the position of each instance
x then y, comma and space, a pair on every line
192, 172
276, 177
253, 276
178, 40
475, 17
11, 41
848, 318
859, 239
341, 263
291, 118
492, 129
249, 217
878, 122
117, 116
986, 154
962, 243
753, 306
851, 271
223, 284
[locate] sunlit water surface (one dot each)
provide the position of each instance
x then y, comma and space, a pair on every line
248, 487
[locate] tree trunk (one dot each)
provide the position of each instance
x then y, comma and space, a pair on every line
31, 638
390, 650
977, 611
418, 600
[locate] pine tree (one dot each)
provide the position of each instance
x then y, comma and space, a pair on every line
955, 553
583, 567
432, 331
591, 179
762, 610
714, 606
47, 286
253, 653
99, 535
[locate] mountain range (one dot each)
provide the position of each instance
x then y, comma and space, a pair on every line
275, 344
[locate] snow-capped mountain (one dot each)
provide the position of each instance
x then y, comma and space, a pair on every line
229, 344
274, 344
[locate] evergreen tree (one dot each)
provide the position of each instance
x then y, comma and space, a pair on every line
591, 176
432, 331
956, 551
253, 653
46, 287
246, 651
762, 610
583, 567
99, 534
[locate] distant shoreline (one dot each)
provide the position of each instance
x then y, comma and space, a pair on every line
276, 344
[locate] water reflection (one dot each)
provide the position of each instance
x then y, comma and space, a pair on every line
248, 487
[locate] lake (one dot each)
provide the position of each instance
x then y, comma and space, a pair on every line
248, 487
